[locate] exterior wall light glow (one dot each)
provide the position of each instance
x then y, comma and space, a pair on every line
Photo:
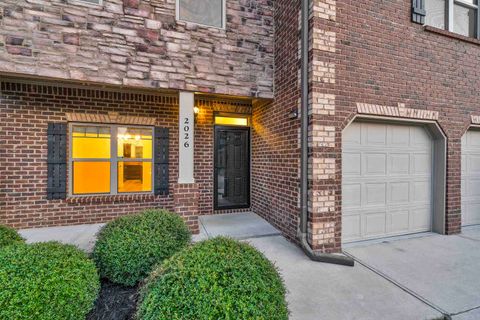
196, 110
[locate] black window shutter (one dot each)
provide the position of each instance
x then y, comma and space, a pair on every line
57, 161
418, 11
161, 161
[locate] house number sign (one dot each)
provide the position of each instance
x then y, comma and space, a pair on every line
186, 132
187, 137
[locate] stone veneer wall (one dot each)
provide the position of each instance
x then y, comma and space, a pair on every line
138, 43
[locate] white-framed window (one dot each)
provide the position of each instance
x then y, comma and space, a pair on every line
459, 16
210, 13
87, 3
110, 159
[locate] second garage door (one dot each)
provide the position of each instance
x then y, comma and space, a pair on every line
471, 178
386, 180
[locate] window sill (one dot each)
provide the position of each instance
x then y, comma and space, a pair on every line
112, 198
452, 35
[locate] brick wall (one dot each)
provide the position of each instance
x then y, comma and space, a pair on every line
26, 109
139, 43
275, 137
384, 64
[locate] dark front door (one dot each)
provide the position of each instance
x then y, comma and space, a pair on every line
232, 167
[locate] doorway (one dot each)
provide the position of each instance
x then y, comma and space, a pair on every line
232, 167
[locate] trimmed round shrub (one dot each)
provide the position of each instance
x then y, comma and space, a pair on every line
129, 247
9, 236
215, 279
46, 281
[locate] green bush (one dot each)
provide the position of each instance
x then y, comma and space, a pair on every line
9, 236
214, 279
129, 247
46, 281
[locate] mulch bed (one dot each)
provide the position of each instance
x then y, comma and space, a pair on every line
115, 302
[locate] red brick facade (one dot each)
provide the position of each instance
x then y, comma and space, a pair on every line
26, 109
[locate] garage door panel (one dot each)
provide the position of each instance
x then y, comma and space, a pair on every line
421, 219
422, 191
351, 226
375, 134
374, 224
399, 136
375, 194
353, 164
422, 164
472, 216
420, 137
375, 164
473, 188
353, 136
399, 164
394, 183
471, 178
399, 193
473, 163
398, 221
352, 195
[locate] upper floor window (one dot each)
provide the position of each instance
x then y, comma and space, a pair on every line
459, 16
209, 13
108, 159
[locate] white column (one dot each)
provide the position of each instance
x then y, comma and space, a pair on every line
186, 137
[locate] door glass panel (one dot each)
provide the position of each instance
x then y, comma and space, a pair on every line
90, 142
91, 177
464, 20
134, 176
134, 143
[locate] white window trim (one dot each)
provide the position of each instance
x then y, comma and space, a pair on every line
449, 16
113, 159
86, 3
224, 16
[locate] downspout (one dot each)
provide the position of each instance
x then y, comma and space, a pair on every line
303, 226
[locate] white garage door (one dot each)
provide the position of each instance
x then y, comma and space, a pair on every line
471, 178
386, 181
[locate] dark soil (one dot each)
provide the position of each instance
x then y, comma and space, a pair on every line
115, 302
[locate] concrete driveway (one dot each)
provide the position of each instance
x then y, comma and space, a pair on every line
442, 271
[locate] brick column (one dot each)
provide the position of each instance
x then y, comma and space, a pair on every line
186, 197
324, 212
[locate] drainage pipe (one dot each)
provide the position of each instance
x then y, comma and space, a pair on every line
303, 226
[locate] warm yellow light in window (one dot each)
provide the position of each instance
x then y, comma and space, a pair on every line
91, 142
91, 177
134, 176
231, 121
133, 143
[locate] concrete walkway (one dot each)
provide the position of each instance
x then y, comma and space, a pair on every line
419, 277
443, 271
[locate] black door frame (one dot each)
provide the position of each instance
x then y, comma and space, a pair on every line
215, 160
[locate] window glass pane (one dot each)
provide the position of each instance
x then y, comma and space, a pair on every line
134, 176
464, 20
231, 121
134, 143
90, 142
435, 13
91, 177
206, 12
